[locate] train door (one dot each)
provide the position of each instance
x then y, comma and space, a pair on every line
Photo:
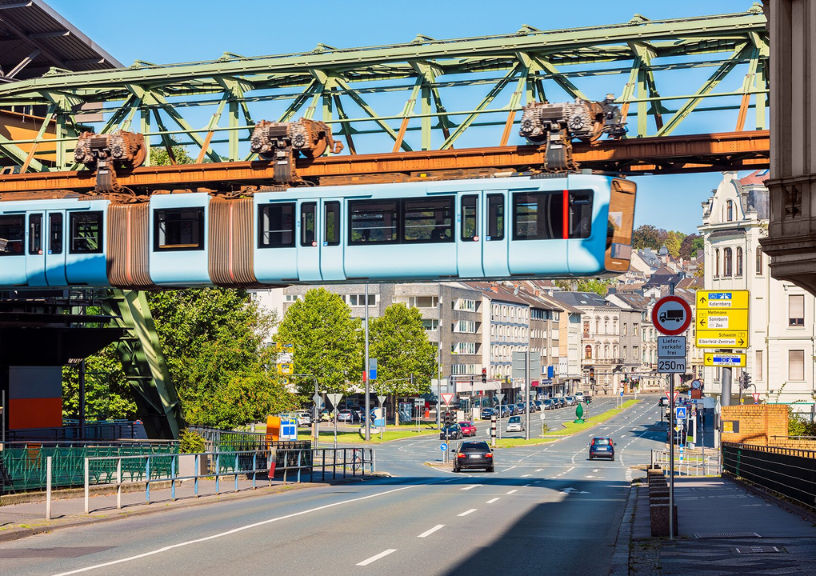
537, 231
55, 249
496, 238
308, 261
331, 235
469, 252
35, 253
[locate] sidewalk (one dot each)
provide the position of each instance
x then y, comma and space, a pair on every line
19, 518
723, 529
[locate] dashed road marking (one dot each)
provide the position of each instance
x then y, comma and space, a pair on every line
376, 557
491, 501
466, 512
431, 531
471, 487
512, 491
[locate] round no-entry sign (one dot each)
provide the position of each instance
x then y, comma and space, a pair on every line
671, 315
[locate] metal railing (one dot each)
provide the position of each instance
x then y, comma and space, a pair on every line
790, 472
92, 431
690, 462
25, 462
355, 460
216, 440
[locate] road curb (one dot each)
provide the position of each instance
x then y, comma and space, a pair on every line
623, 542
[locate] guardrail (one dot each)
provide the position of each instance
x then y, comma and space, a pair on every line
118, 471
690, 463
790, 472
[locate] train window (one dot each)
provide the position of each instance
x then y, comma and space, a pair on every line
495, 217
86, 232
12, 230
373, 221
35, 233
308, 213
276, 225
537, 215
178, 229
331, 223
428, 219
470, 218
580, 213
55, 233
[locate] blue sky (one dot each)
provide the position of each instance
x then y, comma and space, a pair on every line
193, 30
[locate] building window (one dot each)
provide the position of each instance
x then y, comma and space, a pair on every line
606, 326
470, 218
634, 329
739, 262
796, 310
430, 323
729, 211
465, 326
625, 329
796, 365
463, 348
465, 305
727, 260
716, 263
759, 261
586, 328
360, 299
423, 301
588, 352
758, 366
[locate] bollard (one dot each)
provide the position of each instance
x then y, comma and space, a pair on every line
48, 488
119, 483
87, 481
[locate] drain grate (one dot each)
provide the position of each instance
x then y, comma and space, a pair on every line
759, 550
713, 535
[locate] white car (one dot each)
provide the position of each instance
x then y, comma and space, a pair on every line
304, 419
579, 397
514, 424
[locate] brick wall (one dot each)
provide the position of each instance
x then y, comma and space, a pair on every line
757, 423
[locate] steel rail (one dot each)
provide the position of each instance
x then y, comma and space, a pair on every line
669, 154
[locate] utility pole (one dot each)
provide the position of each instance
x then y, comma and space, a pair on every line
527, 394
366, 374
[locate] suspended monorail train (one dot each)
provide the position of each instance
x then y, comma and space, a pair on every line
497, 228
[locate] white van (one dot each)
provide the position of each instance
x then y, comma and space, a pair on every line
514, 424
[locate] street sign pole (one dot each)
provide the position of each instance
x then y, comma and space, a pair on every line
527, 395
366, 374
671, 456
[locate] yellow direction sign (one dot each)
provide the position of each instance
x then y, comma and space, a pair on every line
722, 338
724, 319
722, 299
724, 359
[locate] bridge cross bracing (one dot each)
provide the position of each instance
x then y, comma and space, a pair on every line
422, 96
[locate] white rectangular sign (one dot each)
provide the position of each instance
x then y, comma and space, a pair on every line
671, 365
671, 346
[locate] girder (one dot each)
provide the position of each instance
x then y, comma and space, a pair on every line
422, 95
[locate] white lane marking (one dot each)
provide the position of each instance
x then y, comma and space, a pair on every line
233, 531
376, 557
431, 531
526, 475
511, 467
539, 469
466, 512
471, 487
568, 470
491, 501
512, 491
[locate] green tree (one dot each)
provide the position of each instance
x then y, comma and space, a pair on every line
646, 236
326, 342
107, 393
161, 157
674, 241
212, 339
406, 360
596, 285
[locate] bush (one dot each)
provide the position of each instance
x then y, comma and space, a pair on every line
191, 443
799, 426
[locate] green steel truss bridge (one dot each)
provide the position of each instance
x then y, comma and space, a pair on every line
670, 77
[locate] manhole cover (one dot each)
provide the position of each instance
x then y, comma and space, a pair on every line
758, 550
708, 535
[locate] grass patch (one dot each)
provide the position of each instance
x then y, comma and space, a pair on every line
570, 428
391, 433
513, 442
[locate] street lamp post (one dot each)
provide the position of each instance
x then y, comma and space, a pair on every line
366, 374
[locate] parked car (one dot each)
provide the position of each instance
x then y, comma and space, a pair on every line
561, 402
515, 424
474, 455
579, 396
539, 405
452, 432
601, 447
519, 407
350, 416
303, 418
468, 429
507, 410
570, 400
487, 413
548, 404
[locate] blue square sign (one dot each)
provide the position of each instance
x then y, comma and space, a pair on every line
680, 413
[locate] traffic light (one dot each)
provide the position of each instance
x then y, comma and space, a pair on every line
746, 380
484, 375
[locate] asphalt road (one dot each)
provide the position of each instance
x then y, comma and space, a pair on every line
546, 509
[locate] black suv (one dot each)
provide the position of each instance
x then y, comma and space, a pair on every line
473, 455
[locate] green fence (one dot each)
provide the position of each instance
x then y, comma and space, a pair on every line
25, 462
